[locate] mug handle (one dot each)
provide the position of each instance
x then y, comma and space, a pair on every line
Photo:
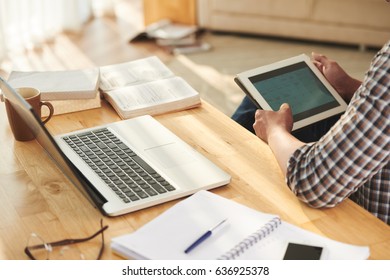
51, 110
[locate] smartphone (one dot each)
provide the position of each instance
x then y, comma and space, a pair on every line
296, 251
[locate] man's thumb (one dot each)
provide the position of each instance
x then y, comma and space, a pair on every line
284, 106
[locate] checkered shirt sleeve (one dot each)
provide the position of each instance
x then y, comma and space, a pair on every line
352, 159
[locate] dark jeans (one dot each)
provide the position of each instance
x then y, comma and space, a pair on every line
245, 116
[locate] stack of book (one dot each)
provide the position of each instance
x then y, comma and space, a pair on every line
68, 91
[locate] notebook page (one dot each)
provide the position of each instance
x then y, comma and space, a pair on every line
168, 235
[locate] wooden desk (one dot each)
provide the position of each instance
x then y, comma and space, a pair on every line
36, 197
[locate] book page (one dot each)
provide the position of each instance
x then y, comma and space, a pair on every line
151, 94
132, 73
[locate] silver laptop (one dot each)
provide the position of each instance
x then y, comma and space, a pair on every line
127, 165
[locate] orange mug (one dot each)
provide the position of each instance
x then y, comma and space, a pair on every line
19, 128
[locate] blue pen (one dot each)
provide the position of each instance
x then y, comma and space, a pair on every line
206, 235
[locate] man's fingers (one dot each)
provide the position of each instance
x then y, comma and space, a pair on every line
318, 65
319, 57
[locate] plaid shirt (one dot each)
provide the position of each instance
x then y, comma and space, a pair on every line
352, 159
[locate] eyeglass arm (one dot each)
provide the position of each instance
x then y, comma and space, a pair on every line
69, 242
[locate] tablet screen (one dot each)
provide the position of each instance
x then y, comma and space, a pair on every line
296, 85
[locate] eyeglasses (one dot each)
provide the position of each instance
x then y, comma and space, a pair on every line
38, 249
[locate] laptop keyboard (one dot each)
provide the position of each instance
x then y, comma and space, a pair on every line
129, 176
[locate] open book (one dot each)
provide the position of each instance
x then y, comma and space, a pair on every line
246, 234
166, 31
145, 86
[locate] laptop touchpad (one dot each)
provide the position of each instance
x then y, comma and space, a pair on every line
170, 155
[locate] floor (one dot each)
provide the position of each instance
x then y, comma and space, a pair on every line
104, 40
212, 73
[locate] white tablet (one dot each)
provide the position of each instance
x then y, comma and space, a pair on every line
295, 81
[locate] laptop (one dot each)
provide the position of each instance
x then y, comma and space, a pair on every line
124, 166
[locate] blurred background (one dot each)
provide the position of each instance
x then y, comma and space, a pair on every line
240, 35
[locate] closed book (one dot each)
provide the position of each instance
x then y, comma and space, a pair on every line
67, 90
59, 85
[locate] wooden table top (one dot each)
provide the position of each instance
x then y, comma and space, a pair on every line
36, 197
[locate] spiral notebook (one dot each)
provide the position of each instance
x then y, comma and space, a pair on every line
246, 234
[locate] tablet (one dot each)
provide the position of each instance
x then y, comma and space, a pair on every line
295, 81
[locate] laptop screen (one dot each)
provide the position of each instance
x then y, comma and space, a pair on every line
44, 138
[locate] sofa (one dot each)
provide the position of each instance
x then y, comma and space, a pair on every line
365, 23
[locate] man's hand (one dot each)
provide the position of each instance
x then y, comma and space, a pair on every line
275, 129
344, 84
269, 122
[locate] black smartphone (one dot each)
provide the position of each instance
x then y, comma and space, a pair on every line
296, 251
